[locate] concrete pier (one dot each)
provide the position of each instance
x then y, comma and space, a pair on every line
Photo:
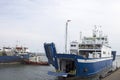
113, 76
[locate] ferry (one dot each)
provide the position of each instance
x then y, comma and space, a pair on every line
13, 54
92, 56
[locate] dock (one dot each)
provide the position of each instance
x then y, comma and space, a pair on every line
113, 76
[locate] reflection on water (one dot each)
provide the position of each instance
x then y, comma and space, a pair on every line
25, 72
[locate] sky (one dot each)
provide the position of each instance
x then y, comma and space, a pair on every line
31, 23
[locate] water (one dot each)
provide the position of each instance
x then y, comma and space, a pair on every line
25, 72
31, 72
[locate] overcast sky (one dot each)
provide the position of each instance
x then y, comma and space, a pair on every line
32, 22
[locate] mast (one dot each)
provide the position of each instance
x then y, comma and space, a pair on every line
94, 36
80, 37
66, 34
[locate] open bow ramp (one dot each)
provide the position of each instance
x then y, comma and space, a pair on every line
57, 74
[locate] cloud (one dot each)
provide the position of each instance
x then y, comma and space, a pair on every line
39, 21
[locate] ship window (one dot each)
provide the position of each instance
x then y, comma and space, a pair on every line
84, 54
105, 39
82, 46
73, 45
102, 38
104, 52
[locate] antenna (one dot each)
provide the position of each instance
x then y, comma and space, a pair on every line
94, 31
80, 37
100, 31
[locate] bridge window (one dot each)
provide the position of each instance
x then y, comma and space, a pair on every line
73, 45
104, 52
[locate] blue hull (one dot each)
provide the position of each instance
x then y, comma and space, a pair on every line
9, 59
86, 67
75, 65
92, 69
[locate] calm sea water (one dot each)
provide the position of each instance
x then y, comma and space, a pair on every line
31, 72
25, 72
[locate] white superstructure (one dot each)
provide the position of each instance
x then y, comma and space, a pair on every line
92, 47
